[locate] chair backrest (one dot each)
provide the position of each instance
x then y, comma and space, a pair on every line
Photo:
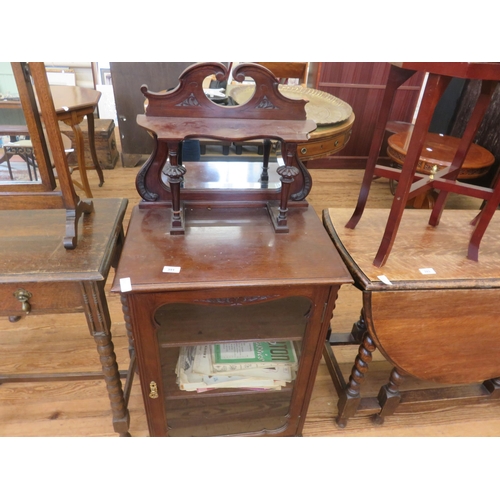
286, 70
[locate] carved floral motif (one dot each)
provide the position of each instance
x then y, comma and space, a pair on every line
265, 103
237, 301
189, 101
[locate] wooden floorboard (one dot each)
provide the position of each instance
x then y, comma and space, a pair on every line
58, 342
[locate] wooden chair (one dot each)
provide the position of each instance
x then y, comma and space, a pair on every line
284, 71
410, 182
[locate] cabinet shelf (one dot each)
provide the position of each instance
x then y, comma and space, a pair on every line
216, 322
221, 411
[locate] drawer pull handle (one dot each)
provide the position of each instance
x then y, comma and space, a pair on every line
303, 151
153, 390
23, 296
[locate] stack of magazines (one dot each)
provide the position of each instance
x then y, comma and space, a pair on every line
250, 365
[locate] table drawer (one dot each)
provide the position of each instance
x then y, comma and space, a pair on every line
45, 298
319, 148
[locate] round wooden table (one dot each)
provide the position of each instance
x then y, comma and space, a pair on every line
334, 118
437, 153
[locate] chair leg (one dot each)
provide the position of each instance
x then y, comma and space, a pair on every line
436, 85
482, 222
28, 166
9, 166
30, 160
397, 76
487, 89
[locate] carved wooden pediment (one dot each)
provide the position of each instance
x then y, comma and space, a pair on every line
188, 99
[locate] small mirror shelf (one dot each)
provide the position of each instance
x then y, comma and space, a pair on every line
186, 112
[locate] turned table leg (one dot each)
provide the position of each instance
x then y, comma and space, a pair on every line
359, 329
99, 321
350, 399
389, 396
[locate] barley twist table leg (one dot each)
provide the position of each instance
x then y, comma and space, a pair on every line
389, 396
99, 321
105, 348
350, 399
128, 325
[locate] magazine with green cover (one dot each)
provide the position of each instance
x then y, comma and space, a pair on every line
244, 355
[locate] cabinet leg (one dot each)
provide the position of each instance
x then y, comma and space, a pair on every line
389, 397
350, 399
128, 326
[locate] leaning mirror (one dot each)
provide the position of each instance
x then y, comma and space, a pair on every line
32, 152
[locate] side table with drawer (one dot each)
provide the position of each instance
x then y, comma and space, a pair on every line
39, 276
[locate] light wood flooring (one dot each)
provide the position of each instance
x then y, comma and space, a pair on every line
52, 343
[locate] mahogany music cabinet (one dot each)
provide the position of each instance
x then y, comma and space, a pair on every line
239, 280
220, 265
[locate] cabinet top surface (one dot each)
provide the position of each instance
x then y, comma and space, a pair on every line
423, 257
32, 243
227, 247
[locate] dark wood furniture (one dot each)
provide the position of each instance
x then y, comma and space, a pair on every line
412, 184
39, 276
240, 275
433, 314
239, 280
187, 113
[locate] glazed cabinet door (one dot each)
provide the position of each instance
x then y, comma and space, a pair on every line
166, 325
